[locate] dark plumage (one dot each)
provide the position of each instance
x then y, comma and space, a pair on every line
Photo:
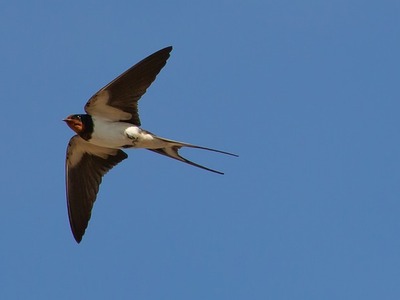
112, 122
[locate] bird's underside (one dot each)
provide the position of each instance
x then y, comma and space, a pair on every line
112, 122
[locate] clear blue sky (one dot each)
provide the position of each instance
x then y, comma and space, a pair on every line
306, 92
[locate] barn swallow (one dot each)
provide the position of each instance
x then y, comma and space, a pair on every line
112, 123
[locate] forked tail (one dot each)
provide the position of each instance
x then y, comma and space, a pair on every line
172, 151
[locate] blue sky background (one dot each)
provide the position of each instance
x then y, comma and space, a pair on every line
306, 92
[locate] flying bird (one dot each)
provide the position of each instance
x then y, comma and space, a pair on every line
112, 123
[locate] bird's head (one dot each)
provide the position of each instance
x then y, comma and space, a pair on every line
75, 123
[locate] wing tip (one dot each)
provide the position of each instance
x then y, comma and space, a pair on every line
77, 233
78, 239
163, 51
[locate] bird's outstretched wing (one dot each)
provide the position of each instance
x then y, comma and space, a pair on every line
117, 101
85, 166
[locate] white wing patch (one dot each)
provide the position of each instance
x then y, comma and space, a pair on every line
97, 106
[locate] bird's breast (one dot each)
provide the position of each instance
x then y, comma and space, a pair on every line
109, 134
122, 135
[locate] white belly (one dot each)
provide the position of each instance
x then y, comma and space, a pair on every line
122, 135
